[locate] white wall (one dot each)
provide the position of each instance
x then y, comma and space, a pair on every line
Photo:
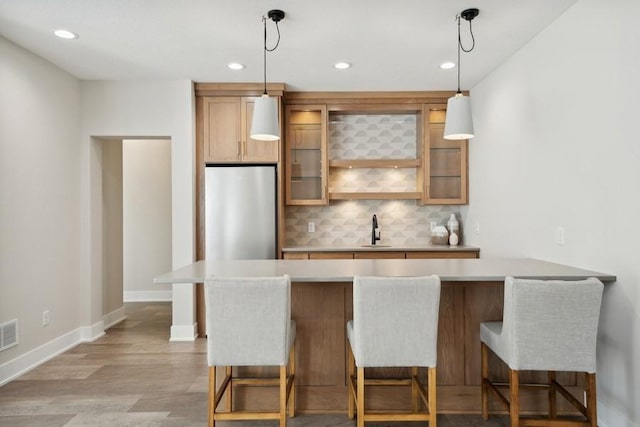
131, 109
40, 195
52, 128
557, 145
146, 175
112, 232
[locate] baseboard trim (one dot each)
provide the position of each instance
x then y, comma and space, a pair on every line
113, 318
32, 359
93, 332
148, 296
184, 332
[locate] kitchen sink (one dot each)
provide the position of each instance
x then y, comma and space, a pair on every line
375, 246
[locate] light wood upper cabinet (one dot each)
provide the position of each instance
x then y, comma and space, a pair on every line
221, 129
366, 160
445, 161
227, 125
306, 155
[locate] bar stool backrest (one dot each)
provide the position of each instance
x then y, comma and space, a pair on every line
551, 325
395, 321
248, 321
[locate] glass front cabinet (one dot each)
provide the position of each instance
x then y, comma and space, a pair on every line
306, 154
446, 161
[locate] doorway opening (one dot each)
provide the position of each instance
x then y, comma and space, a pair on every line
136, 228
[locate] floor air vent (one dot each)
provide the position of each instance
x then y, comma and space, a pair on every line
8, 334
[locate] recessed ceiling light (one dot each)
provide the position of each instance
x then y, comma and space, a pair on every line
65, 34
236, 66
448, 65
342, 65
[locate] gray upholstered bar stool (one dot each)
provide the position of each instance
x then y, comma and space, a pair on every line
395, 324
547, 326
249, 324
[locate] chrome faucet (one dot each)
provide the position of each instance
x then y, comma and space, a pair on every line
374, 227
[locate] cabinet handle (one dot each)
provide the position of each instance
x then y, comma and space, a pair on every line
238, 151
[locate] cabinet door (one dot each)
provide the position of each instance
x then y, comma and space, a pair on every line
379, 255
252, 149
222, 129
330, 255
443, 254
306, 155
296, 255
446, 163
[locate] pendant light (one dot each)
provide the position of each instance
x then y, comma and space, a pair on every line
264, 125
459, 124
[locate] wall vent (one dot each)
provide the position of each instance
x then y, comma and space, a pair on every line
8, 334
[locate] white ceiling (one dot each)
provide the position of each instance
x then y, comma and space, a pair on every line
393, 45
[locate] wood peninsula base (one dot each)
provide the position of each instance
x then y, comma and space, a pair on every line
321, 311
472, 292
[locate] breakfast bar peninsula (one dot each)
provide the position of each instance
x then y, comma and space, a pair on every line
472, 292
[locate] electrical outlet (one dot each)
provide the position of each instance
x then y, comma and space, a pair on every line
560, 236
311, 227
45, 318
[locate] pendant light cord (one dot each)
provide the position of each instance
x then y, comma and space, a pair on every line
460, 47
266, 49
473, 39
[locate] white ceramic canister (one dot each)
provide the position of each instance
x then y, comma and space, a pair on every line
453, 239
454, 227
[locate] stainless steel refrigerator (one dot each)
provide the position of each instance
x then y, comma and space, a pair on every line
241, 212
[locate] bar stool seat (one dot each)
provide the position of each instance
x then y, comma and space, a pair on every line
547, 326
395, 324
249, 324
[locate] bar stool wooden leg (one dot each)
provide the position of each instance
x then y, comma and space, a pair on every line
350, 390
360, 397
485, 377
553, 407
514, 401
431, 374
592, 412
229, 401
414, 389
212, 395
292, 373
283, 396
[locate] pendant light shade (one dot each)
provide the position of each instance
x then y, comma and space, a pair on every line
264, 125
459, 124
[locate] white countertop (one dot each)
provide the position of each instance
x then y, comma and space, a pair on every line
450, 270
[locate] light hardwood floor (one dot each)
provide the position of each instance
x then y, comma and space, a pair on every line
135, 377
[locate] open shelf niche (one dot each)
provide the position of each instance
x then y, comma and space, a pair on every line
374, 155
